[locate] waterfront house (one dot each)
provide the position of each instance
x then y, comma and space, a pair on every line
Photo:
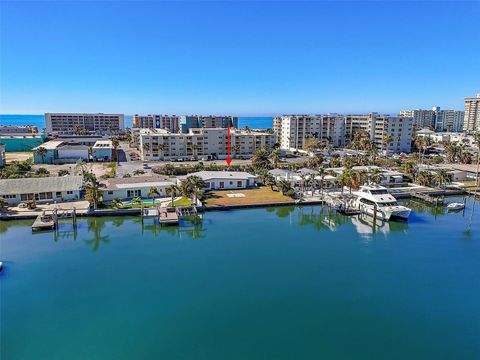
224, 179
45, 189
128, 188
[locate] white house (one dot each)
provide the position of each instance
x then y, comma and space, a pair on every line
225, 179
45, 189
127, 188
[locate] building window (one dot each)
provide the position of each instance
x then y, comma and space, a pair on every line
222, 185
239, 184
69, 192
58, 194
134, 193
110, 193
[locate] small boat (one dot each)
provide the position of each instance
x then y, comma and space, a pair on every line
455, 206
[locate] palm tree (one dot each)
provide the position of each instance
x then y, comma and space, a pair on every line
275, 156
146, 147
173, 191
303, 182
441, 177
42, 152
322, 173
269, 180
284, 186
115, 144
196, 184
93, 192
387, 140
375, 175
260, 159
152, 192
424, 178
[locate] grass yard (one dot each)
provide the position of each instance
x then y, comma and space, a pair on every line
263, 195
183, 201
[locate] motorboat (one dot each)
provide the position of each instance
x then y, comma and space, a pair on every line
455, 206
376, 201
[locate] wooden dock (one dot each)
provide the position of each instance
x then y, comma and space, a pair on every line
48, 220
168, 216
164, 216
436, 200
44, 222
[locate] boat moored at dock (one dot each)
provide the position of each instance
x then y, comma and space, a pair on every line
376, 201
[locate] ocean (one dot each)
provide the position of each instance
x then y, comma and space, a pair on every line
39, 121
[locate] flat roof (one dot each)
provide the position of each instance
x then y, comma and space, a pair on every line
206, 175
50, 145
102, 144
140, 181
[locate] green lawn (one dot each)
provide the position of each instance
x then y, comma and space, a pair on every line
183, 201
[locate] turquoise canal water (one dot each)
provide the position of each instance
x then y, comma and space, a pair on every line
270, 283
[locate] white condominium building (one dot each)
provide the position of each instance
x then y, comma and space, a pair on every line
354, 123
293, 132
208, 143
458, 119
167, 122
398, 128
448, 120
472, 114
70, 123
421, 118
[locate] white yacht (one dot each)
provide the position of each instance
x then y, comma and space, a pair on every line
369, 197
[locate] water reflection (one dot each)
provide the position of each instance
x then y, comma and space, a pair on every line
323, 218
95, 227
190, 226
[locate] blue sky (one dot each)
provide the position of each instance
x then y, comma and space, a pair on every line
243, 58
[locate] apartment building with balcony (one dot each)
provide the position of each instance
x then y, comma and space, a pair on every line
472, 114
398, 128
201, 144
167, 122
421, 118
81, 123
293, 132
187, 122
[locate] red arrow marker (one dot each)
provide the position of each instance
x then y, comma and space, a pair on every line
229, 145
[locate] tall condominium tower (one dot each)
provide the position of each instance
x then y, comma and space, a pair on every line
471, 120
